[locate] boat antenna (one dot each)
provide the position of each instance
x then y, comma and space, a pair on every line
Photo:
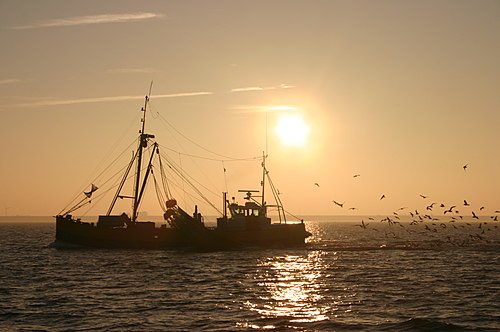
266, 131
146, 100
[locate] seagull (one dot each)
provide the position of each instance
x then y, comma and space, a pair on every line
337, 203
481, 208
450, 209
474, 215
382, 197
353, 208
356, 175
363, 225
316, 184
466, 203
423, 196
430, 207
465, 167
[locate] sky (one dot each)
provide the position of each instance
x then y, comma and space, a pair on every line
402, 93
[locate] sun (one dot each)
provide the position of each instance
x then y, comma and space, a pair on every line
292, 130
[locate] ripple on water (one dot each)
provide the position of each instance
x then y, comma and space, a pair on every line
342, 283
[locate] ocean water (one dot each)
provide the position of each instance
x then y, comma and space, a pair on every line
387, 277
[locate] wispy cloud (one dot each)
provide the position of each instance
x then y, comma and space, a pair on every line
250, 108
93, 19
250, 88
9, 81
58, 102
258, 88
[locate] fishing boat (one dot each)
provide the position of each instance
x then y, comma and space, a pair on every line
246, 225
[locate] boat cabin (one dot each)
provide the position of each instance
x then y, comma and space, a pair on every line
250, 209
244, 217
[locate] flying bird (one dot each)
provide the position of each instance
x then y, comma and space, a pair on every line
466, 203
316, 184
363, 225
474, 215
356, 175
339, 204
450, 209
465, 167
423, 196
382, 197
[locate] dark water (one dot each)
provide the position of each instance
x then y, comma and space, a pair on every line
383, 278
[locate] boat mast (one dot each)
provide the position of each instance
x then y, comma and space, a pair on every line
264, 172
142, 144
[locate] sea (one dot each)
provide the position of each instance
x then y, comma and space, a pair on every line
374, 275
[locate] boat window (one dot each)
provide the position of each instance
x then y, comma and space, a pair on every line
237, 211
253, 212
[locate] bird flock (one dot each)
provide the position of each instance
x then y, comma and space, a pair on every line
435, 218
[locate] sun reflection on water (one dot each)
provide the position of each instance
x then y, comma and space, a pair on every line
290, 287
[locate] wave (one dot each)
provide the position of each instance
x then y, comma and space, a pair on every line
401, 245
424, 325
408, 325
64, 245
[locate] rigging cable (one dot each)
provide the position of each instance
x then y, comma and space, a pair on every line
185, 180
228, 159
96, 179
164, 179
159, 195
190, 140
181, 174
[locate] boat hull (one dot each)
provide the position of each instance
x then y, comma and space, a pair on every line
147, 236
86, 234
272, 236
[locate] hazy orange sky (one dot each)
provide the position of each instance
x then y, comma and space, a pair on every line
404, 93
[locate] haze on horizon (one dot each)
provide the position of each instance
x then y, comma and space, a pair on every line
402, 93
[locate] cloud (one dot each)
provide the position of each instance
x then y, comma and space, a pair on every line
93, 19
251, 88
108, 99
258, 88
9, 81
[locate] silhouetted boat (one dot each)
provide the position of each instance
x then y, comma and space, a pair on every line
246, 225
